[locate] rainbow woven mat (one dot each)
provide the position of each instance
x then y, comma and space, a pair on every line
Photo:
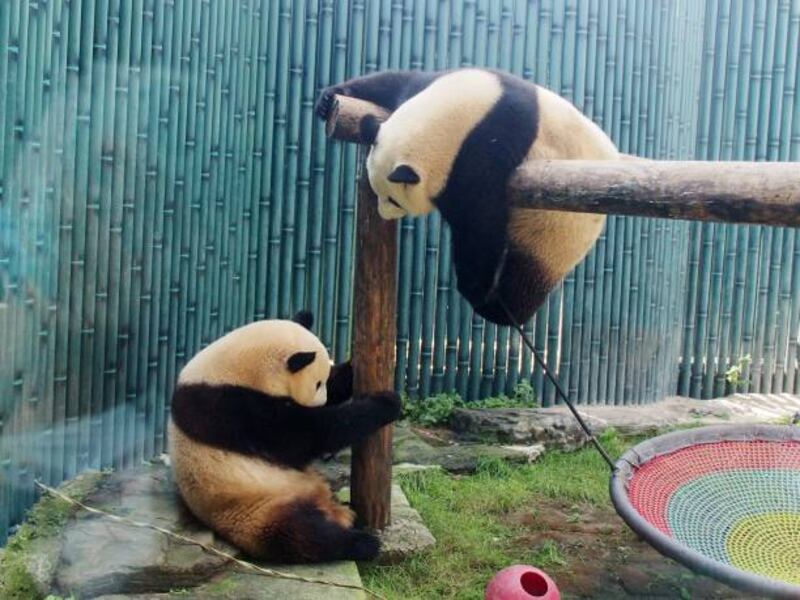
725, 501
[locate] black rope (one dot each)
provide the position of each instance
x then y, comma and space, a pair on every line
586, 429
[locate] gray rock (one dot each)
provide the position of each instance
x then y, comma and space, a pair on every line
556, 427
549, 426
405, 535
91, 556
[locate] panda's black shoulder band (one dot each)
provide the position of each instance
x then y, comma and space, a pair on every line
498, 274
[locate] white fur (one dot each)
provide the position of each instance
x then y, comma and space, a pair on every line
256, 355
427, 131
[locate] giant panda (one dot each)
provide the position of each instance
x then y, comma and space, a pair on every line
249, 413
452, 141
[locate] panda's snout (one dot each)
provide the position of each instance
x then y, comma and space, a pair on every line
393, 201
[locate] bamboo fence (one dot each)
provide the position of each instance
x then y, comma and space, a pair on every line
163, 180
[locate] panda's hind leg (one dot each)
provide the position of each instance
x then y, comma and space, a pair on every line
304, 532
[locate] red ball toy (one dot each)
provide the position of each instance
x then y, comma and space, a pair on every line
521, 582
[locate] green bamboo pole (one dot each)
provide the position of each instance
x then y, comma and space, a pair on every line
190, 132
177, 173
445, 359
728, 133
79, 392
156, 224
133, 231
31, 192
460, 321
390, 56
776, 319
344, 207
143, 236
765, 280
432, 369
6, 283
316, 47
460, 54
792, 378
234, 88
782, 322
739, 151
608, 105
293, 239
265, 121
305, 52
55, 106
420, 279
256, 49
135, 398
119, 49
209, 212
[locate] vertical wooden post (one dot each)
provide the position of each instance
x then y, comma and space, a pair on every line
374, 324
374, 335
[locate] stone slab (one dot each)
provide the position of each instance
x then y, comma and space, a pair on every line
90, 556
556, 427
405, 535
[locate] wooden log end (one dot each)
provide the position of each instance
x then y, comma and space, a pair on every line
344, 120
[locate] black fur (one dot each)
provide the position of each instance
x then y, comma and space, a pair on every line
388, 89
340, 383
475, 205
243, 420
304, 318
490, 272
306, 535
368, 129
300, 360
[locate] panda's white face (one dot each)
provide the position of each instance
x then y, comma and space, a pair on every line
307, 385
276, 357
401, 188
414, 150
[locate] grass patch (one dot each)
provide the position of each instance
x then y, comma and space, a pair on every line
436, 410
465, 514
43, 520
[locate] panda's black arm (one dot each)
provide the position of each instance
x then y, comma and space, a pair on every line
340, 383
388, 89
339, 426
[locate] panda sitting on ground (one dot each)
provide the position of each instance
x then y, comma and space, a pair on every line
249, 413
452, 142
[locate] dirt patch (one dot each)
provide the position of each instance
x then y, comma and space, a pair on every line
602, 558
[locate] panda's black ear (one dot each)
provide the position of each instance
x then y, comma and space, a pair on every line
300, 360
368, 129
304, 318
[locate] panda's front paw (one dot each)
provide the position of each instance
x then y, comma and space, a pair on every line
389, 405
325, 103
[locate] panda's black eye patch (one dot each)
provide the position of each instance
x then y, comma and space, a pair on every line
403, 174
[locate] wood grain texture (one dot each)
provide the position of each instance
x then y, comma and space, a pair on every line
732, 192
374, 334
344, 121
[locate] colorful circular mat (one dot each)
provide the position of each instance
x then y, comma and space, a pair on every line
723, 500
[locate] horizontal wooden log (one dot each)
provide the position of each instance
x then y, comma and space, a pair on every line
729, 192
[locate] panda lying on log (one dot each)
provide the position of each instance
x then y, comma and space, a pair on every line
452, 142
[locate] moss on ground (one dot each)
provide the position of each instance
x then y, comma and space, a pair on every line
45, 519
